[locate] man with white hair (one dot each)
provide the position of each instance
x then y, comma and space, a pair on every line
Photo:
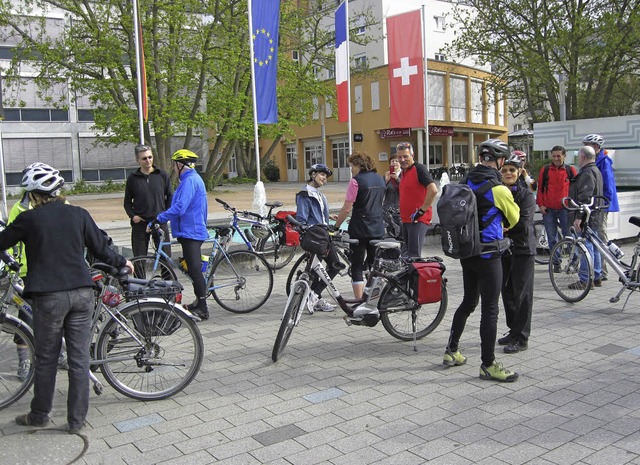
587, 184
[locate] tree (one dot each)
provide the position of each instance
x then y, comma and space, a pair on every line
197, 62
592, 43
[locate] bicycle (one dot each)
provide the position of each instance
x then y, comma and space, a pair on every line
240, 281
264, 235
572, 251
389, 297
146, 347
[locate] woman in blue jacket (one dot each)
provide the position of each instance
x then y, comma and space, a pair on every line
188, 217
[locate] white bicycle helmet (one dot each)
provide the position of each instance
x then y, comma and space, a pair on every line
42, 178
593, 139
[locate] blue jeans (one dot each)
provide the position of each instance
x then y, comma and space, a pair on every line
57, 314
597, 263
551, 219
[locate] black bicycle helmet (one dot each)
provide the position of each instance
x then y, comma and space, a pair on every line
320, 168
492, 149
513, 160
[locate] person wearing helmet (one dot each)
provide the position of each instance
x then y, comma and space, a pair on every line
417, 193
147, 192
518, 267
188, 217
605, 165
482, 274
312, 208
524, 178
55, 235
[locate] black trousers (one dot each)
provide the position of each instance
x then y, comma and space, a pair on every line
192, 252
517, 293
332, 260
140, 239
482, 279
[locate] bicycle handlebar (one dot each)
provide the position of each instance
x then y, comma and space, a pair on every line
341, 235
236, 212
569, 204
10, 261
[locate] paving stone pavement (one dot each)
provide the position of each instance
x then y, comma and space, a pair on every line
355, 395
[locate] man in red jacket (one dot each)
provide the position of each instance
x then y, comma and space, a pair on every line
553, 185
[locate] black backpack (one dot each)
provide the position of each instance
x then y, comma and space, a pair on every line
545, 176
459, 223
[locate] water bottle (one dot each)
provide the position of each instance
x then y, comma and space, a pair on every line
615, 250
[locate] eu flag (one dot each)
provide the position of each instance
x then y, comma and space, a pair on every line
265, 16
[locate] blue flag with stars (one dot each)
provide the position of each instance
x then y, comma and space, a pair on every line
265, 15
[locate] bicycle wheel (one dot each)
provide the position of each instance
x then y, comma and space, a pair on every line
277, 255
143, 268
163, 360
342, 280
567, 282
242, 282
398, 321
289, 319
542, 243
16, 370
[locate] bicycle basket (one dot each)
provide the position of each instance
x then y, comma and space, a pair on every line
316, 240
156, 323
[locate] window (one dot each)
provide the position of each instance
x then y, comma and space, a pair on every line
292, 157
436, 96
476, 102
340, 153
439, 23
360, 26
440, 57
85, 115
331, 73
460, 154
360, 61
375, 96
313, 154
435, 154
295, 56
328, 109
517, 127
458, 99
316, 112
35, 114
357, 90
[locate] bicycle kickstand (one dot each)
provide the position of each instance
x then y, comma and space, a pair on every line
97, 385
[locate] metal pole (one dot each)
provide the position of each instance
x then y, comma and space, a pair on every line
426, 85
253, 93
346, 14
3, 177
139, 58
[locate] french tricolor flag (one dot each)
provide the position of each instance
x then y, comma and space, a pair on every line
342, 63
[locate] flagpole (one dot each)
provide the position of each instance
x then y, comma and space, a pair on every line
259, 194
139, 59
426, 85
346, 15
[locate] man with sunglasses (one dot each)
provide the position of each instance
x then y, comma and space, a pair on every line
148, 192
417, 193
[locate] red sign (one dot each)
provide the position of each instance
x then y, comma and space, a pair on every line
440, 131
395, 133
406, 85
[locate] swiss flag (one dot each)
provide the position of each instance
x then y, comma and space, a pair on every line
406, 73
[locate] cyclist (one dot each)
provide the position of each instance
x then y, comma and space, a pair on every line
482, 275
188, 217
518, 266
365, 195
313, 208
55, 234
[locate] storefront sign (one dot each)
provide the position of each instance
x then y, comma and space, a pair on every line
394, 133
440, 131
358, 137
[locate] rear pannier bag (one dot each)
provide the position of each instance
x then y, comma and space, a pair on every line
427, 281
286, 233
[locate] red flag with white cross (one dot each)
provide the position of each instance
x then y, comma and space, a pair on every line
406, 72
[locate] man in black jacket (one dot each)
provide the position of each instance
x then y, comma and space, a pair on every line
60, 285
148, 192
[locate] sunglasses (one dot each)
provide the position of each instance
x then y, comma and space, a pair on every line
147, 158
509, 170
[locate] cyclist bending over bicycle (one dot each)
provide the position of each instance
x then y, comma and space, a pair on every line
313, 209
55, 235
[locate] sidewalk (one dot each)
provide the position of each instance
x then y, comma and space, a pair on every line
344, 395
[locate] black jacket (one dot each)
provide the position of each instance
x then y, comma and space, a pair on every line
55, 235
147, 195
522, 234
587, 184
367, 218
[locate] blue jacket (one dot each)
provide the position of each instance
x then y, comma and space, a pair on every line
605, 165
188, 210
308, 209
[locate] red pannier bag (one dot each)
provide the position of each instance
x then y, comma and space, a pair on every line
427, 282
288, 235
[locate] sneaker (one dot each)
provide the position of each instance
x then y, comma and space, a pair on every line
557, 269
452, 359
202, 314
323, 306
73, 429
312, 301
28, 420
496, 372
597, 282
24, 367
506, 339
516, 346
580, 286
